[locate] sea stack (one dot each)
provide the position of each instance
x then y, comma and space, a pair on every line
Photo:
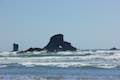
15, 47
57, 43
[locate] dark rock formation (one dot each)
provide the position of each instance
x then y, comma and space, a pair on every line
15, 47
33, 49
68, 46
57, 43
114, 48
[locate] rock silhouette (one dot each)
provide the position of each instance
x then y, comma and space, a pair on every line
15, 47
57, 43
114, 48
33, 49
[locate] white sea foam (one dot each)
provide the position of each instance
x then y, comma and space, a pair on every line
99, 59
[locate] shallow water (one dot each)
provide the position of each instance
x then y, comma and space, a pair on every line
57, 73
82, 65
34, 77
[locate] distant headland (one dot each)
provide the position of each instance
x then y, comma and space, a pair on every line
56, 44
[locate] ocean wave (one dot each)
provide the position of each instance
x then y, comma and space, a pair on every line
62, 65
97, 59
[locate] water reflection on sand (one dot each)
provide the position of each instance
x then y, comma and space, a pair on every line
37, 77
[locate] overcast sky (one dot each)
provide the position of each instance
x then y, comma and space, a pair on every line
85, 23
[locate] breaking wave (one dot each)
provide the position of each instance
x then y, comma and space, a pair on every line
97, 59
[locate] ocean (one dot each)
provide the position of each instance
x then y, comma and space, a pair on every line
80, 65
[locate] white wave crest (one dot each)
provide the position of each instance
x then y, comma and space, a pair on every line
99, 59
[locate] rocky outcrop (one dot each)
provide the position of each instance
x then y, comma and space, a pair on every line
33, 49
114, 48
15, 47
57, 43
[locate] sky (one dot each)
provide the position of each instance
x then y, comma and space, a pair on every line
87, 24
